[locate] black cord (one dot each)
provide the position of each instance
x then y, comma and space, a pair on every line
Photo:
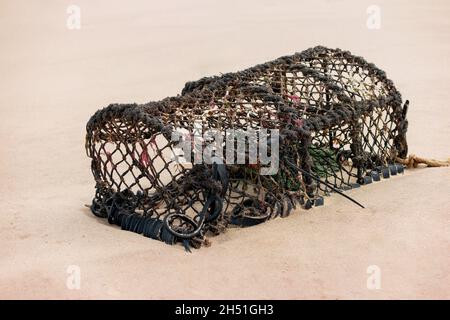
325, 183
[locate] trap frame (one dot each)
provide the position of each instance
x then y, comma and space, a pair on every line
341, 124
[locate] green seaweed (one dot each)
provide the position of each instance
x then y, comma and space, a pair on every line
323, 160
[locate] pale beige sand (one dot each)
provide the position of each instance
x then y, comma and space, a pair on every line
53, 79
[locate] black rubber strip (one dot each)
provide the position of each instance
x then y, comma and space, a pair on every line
167, 237
393, 170
149, 225
120, 217
385, 173
125, 222
140, 227
155, 230
375, 176
136, 223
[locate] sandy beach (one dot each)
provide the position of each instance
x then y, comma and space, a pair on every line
53, 78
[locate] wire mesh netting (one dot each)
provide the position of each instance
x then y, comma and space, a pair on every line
331, 122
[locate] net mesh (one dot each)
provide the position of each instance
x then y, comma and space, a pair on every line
341, 124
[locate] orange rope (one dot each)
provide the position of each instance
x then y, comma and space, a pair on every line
413, 161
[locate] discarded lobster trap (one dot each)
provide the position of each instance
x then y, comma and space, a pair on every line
323, 134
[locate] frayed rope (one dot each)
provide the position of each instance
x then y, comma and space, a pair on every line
413, 161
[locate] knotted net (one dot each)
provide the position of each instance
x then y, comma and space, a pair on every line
329, 121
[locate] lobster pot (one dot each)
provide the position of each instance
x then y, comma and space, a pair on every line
245, 147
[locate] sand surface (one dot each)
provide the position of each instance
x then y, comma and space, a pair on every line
53, 79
